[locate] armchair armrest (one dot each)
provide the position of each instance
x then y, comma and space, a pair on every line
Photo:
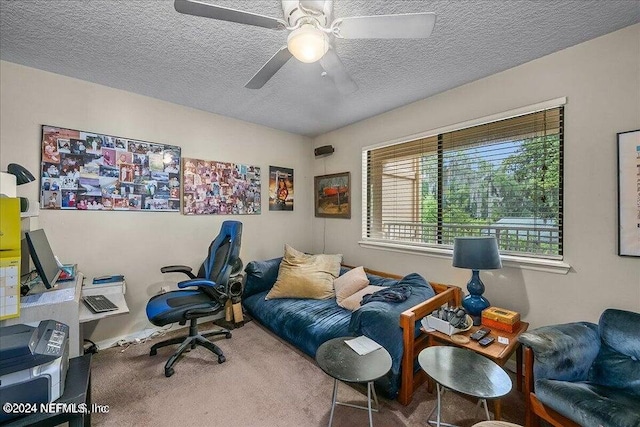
563, 352
178, 269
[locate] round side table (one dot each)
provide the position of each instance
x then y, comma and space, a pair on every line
465, 372
342, 363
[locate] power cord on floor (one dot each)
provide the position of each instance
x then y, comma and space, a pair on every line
92, 349
155, 334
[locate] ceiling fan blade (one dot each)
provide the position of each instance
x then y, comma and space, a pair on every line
337, 72
269, 69
196, 8
403, 26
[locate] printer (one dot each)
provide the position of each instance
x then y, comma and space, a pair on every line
33, 363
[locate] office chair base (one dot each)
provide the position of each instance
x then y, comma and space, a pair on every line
189, 342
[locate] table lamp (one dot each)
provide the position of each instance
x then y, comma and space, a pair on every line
476, 253
22, 176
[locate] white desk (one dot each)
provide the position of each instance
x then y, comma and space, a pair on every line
64, 304
114, 291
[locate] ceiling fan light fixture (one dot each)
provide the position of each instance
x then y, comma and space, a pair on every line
308, 43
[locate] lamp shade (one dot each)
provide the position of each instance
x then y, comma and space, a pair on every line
476, 253
23, 176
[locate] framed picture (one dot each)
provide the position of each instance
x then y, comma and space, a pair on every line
83, 170
280, 189
629, 193
332, 195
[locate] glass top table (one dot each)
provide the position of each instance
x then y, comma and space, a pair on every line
342, 363
465, 372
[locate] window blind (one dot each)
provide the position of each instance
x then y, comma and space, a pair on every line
502, 178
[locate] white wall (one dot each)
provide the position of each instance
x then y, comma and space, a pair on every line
137, 244
601, 80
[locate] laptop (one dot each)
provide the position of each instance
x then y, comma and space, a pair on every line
99, 303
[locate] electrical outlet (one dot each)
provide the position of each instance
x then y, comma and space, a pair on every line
164, 289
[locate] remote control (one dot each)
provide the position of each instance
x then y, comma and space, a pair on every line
486, 341
480, 333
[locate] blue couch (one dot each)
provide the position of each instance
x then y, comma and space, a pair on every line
307, 323
585, 374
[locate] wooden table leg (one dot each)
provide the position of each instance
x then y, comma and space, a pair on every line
519, 367
497, 409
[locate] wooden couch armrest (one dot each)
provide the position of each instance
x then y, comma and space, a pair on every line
445, 294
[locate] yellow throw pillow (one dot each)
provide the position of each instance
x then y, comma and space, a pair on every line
305, 276
350, 283
353, 302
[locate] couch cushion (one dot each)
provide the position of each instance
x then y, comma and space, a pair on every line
618, 363
261, 275
349, 283
305, 276
353, 302
305, 323
590, 404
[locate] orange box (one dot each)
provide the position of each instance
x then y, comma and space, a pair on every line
494, 324
501, 315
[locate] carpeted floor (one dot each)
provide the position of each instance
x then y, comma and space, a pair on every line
264, 382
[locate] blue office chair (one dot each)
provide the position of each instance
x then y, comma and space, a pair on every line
213, 291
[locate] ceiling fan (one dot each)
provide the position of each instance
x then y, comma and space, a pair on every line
312, 33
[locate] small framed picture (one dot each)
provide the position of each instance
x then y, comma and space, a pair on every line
629, 193
332, 195
280, 189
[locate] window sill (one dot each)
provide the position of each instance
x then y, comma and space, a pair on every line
538, 264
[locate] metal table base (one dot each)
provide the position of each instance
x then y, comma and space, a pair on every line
370, 390
438, 407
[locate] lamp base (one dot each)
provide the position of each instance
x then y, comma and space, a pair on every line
474, 304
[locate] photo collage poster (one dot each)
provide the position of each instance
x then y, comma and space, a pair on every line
90, 171
280, 189
219, 188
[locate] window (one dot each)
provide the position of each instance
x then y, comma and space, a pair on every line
502, 178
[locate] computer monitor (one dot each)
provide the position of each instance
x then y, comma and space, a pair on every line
42, 256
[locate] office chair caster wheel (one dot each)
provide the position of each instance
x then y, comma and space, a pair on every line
227, 335
168, 372
221, 359
153, 352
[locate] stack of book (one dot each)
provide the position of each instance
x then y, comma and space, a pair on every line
501, 319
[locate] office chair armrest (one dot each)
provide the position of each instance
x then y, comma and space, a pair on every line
178, 269
197, 282
207, 286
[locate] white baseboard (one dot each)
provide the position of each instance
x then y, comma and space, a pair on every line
147, 332
140, 335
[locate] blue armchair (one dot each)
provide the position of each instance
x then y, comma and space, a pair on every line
583, 374
208, 293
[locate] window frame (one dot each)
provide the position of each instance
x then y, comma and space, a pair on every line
518, 261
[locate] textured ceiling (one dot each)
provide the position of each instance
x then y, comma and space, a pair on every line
148, 48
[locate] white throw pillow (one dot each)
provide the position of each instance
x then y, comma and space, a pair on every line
350, 283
